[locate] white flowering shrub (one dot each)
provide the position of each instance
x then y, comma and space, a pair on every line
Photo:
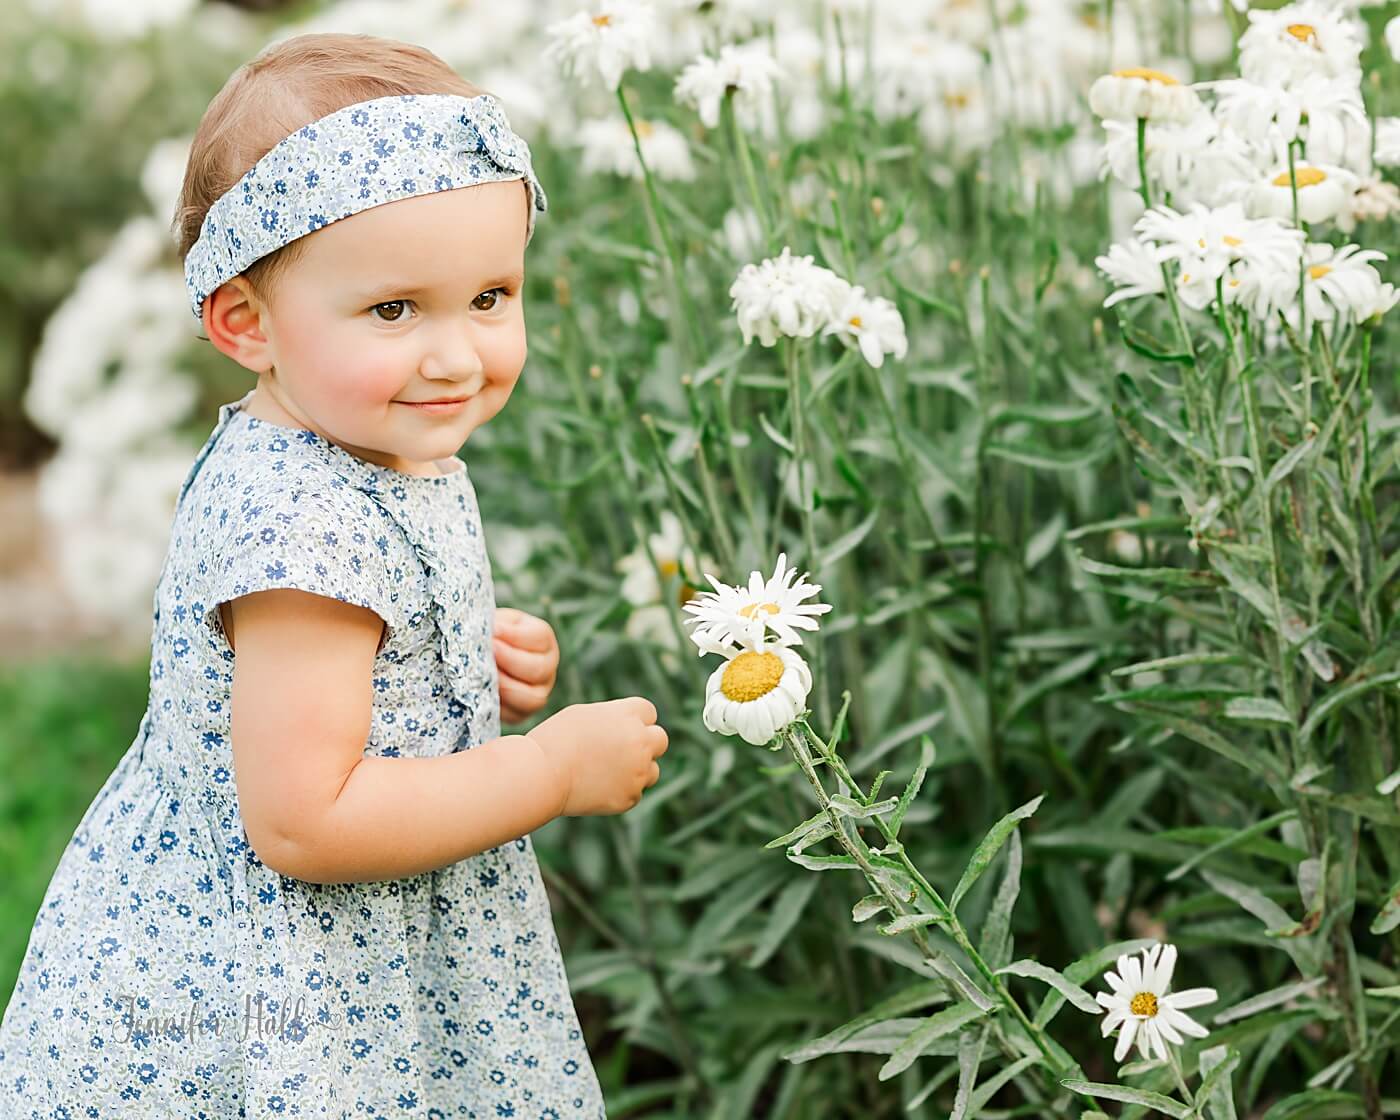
1048, 341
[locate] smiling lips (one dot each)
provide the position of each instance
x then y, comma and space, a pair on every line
448, 404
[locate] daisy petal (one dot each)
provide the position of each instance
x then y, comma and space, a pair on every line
1125, 1039
1165, 965
1192, 997
1112, 1020
1183, 1022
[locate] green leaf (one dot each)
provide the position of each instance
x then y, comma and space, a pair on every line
996, 930
990, 845
941, 1023
1088, 967
1389, 916
728, 908
791, 902
1258, 709
824, 863
1230, 841
812, 822
1160, 577
1317, 1104
1066, 987
909, 921
1284, 467
1342, 695
1122, 1093
857, 810
846, 542
1265, 1000
910, 999
927, 753
1216, 1064
867, 907
970, 1044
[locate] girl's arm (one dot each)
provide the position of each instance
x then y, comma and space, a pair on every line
313, 806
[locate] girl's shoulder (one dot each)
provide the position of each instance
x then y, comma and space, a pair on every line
269, 510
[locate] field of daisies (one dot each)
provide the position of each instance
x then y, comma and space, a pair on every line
974, 423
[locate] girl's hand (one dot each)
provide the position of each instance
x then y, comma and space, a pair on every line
527, 659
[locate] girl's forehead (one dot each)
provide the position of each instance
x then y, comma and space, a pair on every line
487, 221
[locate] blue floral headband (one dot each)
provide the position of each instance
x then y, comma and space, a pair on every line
360, 156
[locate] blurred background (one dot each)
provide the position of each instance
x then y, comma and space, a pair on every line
941, 153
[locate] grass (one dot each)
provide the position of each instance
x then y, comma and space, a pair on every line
64, 724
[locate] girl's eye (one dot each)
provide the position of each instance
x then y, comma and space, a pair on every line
495, 299
397, 304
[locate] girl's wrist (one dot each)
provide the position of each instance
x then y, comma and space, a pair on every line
560, 767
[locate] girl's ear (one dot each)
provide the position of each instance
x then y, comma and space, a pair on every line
233, 322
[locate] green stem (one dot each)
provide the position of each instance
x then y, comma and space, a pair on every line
683, 306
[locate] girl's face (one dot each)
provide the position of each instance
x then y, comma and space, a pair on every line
415, 300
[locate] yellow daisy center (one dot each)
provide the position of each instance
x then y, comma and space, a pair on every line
1302, 31
668, 568
751, 676
1146, 75
855, 322
956, 100
753, 608
1231, 241
1318, 271
1306, 177
687, 593
644, 128
1144, 1003
603, 20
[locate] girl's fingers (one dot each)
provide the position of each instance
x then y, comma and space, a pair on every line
525, 665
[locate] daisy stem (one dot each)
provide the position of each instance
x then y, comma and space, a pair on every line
726, 543
1175, 1059
741, 147
799, 440
683, 306
949, 919
1143, 188
1285, 672
859, 851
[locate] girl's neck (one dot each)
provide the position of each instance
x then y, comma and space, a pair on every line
263, 405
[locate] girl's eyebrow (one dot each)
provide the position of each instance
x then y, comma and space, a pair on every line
393, 288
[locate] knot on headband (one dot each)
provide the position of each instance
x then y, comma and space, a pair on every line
360, 156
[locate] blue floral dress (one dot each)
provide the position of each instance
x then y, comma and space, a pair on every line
170, 973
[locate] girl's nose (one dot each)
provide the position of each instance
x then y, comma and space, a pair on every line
452, 353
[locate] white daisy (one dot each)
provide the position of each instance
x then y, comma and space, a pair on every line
1386, 297
1392, 38
608, 148
873, 323
732, 617
786, 295
602, 44
641, 585
1388, 141
755, 694
1133, 266
1190, 160
1141, 1006
1297, 40
1373, 200
1208, 244
1323, 189
1138, 93
1327, 113
1338, 283
748, 71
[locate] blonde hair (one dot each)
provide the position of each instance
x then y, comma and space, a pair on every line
286, 86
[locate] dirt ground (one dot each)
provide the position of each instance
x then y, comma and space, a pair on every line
37, 619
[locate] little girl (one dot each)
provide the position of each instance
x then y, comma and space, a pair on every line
308, 888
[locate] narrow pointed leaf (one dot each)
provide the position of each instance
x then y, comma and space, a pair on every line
990, 845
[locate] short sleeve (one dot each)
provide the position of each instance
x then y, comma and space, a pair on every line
318, 535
